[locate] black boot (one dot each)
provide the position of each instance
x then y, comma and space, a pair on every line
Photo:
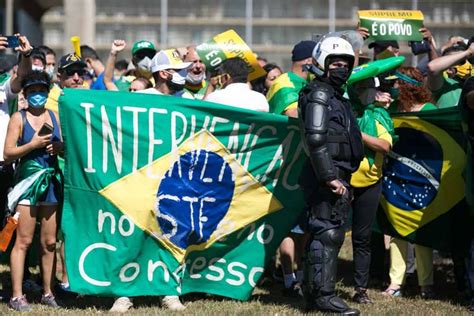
332, 303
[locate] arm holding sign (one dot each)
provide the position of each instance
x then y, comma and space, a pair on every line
438, 65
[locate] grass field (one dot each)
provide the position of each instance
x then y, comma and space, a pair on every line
267, 300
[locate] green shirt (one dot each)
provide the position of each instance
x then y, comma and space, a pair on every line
284, 92
428, 106
449, 93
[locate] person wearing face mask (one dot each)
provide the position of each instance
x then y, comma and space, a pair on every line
34, 137
377, 131
38, 60
235, 91
138, 84
447, 74
50, 66
95, 67
334, 145
283, 94
169, 73
142, 54
196, 83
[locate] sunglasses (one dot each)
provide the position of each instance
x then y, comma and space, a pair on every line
72, 72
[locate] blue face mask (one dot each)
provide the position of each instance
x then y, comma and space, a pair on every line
37, 99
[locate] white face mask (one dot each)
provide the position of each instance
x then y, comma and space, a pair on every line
37, 68
50, 72
145, 64
179, 77
195, 79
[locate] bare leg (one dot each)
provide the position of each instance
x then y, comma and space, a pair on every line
24, 235
287, 254
47, 216
64, 278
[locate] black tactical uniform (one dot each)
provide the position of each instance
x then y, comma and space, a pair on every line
334, 144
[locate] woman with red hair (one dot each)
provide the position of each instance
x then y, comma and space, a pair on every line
413, 96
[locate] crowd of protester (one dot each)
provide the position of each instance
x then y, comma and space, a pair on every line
31, 81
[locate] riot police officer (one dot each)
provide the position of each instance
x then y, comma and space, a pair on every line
333, 143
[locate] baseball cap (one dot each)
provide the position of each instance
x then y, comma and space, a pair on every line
168, 59
302, 50
36, 78
142, 45
384, 44
69, 60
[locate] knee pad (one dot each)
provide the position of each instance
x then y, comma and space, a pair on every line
333, 238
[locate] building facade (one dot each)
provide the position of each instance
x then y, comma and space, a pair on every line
270, 27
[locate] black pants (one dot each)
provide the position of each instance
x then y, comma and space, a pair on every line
364, 210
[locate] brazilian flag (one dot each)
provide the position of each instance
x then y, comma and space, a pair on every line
423, 185
167, 196
284, 92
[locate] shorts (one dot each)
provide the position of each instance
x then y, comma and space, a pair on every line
50, 197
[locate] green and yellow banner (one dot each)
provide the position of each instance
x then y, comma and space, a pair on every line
392, 24
227, 45
167, 196
423, 186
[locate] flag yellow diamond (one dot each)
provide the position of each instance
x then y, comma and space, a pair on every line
193, 196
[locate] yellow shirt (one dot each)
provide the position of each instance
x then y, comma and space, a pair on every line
366, 175
53, 97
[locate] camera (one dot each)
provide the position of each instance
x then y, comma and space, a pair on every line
418, 48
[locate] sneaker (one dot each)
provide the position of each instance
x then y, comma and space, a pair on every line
19, 304
31, 286
49, 300
392, 292
121, 305
293, 291
361, 296
65, 287
172, 303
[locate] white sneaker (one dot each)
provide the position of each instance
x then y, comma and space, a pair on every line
121, 305
172, 303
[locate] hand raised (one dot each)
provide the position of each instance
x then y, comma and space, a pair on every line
118, 46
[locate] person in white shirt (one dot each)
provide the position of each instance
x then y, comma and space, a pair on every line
232, 76
169, 73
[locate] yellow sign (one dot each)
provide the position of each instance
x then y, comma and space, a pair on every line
227, 45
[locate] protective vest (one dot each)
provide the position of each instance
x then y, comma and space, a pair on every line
344, 140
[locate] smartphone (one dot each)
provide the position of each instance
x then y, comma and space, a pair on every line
46, 129
13, 41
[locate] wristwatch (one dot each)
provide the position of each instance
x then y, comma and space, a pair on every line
28, 54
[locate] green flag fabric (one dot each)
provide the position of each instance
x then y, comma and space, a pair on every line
168, 196
284, 92
423, 186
